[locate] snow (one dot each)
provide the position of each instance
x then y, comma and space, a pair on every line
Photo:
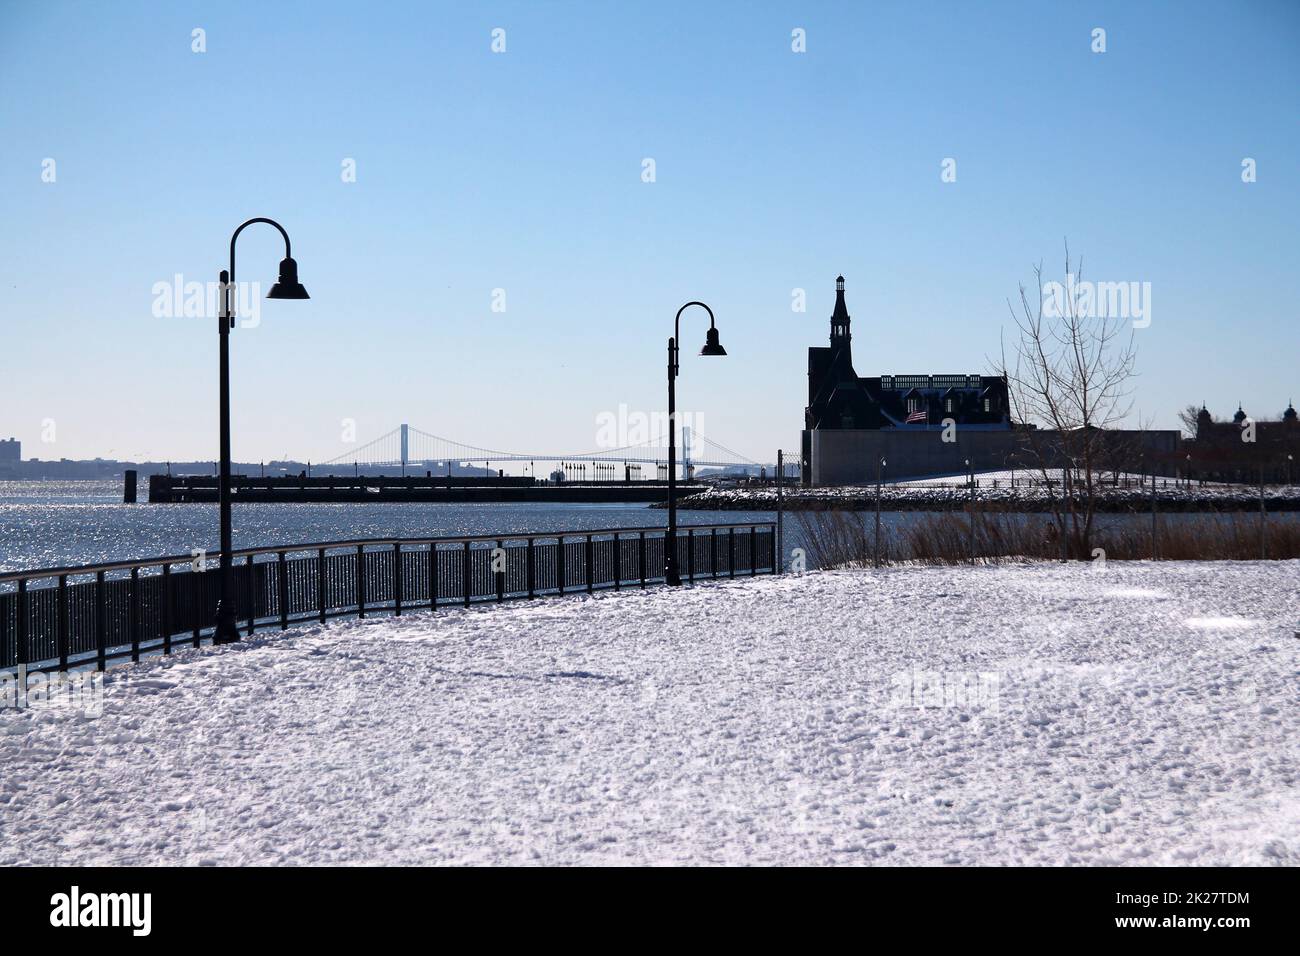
996, 489
1020, 476
1035, 714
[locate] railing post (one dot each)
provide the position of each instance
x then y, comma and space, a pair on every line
361, 580
559, 562
282, 567
320, 582
779, 545
166, 607
713, 552
252, 594
101, 622
133, 612
197, 590
499, 577
62, 639
397, 580
753, 550
731, 552
642, 557
775, 570
972, 517
618, 563
433, 575
532, 569
20, 649
464, 572
690, 554
589, 559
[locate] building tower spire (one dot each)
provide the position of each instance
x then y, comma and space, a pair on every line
840, 334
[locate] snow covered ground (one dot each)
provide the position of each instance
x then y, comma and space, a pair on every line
1040, 714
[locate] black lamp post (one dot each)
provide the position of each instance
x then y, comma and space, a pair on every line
711, 347
288, 287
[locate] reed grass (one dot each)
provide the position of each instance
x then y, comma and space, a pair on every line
846, 539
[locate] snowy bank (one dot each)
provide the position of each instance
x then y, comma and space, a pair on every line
990, 495
1039, 714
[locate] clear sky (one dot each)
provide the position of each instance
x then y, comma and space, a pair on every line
523, 171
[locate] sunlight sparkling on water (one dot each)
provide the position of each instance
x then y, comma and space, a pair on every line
48, 524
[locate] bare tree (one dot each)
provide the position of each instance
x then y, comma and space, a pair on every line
1188, 416
1069, 379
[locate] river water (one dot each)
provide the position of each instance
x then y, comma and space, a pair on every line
55, 523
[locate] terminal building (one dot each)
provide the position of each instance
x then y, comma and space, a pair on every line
839, 399
922, 426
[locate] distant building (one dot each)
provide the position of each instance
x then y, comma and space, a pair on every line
918, 426
839, 398
1224, 451
11, 449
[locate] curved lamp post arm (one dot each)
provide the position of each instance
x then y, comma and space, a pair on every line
677, 330
244, 225
228, 319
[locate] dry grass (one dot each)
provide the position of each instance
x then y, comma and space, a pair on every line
847, 538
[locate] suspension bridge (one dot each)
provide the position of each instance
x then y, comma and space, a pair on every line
408, 447
434, 468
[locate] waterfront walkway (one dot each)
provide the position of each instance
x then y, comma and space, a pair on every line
1039, 714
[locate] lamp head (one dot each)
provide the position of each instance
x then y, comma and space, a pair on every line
711, 344
288, 286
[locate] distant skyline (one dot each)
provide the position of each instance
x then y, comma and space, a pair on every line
519, 179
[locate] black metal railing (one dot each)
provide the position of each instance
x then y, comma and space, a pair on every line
57, 618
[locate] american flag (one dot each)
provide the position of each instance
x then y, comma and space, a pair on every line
920, 415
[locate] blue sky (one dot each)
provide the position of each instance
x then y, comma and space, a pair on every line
522, 171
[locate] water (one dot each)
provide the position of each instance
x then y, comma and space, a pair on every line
54, 523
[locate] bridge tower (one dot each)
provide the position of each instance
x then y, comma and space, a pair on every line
406, 446
687, 468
